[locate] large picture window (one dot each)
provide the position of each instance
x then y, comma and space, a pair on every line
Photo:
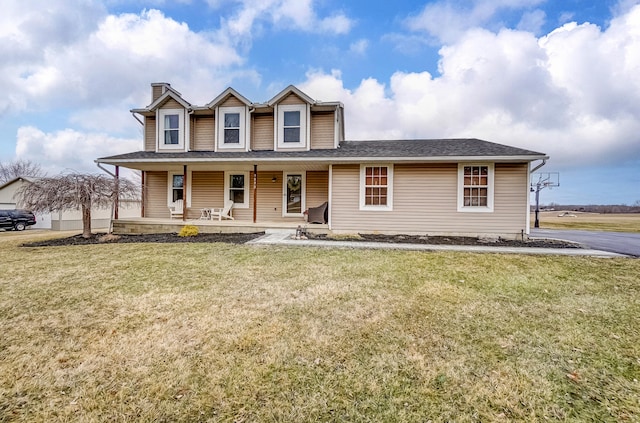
475, 187
376, 187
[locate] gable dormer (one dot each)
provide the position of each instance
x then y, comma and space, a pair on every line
232, 121
292, 117
166, 120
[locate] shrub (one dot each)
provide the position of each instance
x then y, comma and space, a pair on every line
188, 230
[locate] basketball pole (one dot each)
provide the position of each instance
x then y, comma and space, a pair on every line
536, 223
543, 182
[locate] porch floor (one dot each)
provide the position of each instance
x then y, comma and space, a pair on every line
145, 225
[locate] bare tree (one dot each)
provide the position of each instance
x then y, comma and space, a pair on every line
11, 170
75, 191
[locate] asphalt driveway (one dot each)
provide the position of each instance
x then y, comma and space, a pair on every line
616, 242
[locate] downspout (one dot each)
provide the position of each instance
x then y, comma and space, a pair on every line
105, 170
114, 209
136, 118
544, 162
116, 204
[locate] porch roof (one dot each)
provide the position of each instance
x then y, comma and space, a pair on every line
425, 150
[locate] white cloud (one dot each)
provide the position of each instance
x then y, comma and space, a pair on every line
359, 47
113, 60
573, 94
69, 149
297, 15
447, 20
532, 21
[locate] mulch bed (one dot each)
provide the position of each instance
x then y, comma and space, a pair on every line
102, 238
453, 240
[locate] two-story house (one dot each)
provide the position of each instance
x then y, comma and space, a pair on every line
275, 160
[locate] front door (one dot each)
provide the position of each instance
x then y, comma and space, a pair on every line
294, 194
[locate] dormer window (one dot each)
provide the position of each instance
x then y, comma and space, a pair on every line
292, 126
231, 127
170, 129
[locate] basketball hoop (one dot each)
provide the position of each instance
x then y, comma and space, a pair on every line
545, 180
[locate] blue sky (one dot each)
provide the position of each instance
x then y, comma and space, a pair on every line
557, 76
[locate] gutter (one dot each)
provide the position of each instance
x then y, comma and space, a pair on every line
336, 160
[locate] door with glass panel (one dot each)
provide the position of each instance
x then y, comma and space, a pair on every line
294, 194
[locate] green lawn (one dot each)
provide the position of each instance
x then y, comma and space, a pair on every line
623, 222
216, 332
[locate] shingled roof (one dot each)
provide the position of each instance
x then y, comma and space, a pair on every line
352, 151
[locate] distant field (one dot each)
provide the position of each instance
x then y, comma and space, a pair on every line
234, 333
589, 221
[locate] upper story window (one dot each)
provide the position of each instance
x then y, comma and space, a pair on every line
475, 187
292, 126
376, 187
171, 128
231, 127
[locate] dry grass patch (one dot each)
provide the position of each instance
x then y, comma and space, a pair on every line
219, 332
624, 222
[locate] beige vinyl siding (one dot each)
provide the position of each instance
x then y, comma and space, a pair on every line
269, 196
155, 195
262, 132
203, 128
207, 191
322, 130
171, 104
149, 133
156, 92
292, 99
425, 202
317, 189
232, 102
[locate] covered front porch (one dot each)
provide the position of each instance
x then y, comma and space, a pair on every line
145, 225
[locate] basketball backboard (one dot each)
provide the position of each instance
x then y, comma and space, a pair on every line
545, 180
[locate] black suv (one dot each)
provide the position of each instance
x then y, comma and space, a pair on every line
16, 219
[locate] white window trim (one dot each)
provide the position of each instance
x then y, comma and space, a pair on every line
247, 186
490, 189
187, 194
303, 193
304, 128
389, 205
242, 145
160, 129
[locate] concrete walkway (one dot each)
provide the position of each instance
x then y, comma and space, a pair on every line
286, 238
